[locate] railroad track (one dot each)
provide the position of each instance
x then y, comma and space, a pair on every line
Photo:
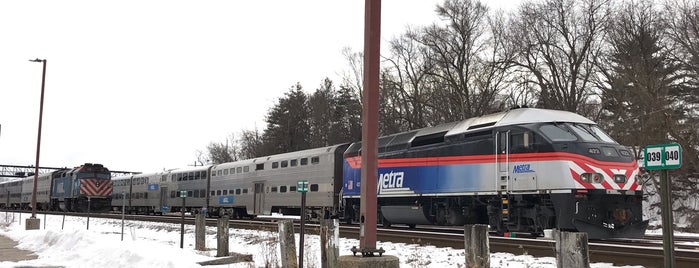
646, 252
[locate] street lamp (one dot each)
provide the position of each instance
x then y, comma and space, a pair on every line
38, 140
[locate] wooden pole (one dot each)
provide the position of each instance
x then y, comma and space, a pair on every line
200, 232
329, 243
476, 245
287, 244
572, 249
222, 237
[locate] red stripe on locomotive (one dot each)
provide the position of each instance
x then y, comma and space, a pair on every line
96, 187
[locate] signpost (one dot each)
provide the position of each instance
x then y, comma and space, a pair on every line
302, 187
183, 195
663, 157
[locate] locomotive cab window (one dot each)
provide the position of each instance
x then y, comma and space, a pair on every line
522, 142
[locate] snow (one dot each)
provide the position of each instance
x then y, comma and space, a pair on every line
148, 244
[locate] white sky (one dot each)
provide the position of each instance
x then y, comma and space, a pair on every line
142, 85
157, 245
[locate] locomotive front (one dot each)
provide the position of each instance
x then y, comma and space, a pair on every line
606, 197
85, 186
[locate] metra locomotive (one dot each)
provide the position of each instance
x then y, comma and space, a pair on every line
524, 170
67, 190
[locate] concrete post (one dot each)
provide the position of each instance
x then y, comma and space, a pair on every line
287, 244
329, 243
571, 249
222, 237
476, 245
200, 232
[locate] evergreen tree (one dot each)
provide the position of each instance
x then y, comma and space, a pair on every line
287, 123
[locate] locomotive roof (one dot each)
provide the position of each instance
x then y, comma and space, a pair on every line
439, 133
516, 117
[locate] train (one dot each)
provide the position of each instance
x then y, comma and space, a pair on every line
523, 170
86, 188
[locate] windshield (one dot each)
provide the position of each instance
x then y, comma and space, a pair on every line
575, 131
557, 132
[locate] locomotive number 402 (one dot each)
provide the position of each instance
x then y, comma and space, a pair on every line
662, 156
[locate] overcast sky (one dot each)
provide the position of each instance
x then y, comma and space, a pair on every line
142, 85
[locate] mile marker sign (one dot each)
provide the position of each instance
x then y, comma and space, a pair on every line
302, 186
662, 156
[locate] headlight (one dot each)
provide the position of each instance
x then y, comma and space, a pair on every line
586, 177
592, 177
619, 178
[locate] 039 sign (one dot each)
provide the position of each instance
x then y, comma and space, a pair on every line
662, 156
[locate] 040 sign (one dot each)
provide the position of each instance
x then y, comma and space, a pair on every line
662, 156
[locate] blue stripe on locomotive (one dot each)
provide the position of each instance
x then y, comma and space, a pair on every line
63, 187
434, 179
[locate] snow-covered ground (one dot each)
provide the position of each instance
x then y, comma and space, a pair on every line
158, 245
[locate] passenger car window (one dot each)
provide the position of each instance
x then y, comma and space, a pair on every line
315, 160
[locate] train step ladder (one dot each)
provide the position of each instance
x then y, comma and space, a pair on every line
505, 209
505, 198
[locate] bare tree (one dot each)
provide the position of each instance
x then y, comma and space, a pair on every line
354, 78
223, 152
557, 42
250, 144
409, 67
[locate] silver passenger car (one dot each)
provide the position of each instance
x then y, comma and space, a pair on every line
193, 180
268, 184
43, 189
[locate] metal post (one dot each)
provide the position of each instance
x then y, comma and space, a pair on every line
668, 235
38, 139
44, 220
88, 213
303, 225
370, 122
182, 226
63, 223
123, 211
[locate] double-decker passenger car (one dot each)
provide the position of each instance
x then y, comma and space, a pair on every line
268, 184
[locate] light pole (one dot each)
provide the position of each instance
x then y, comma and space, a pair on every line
38, 140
